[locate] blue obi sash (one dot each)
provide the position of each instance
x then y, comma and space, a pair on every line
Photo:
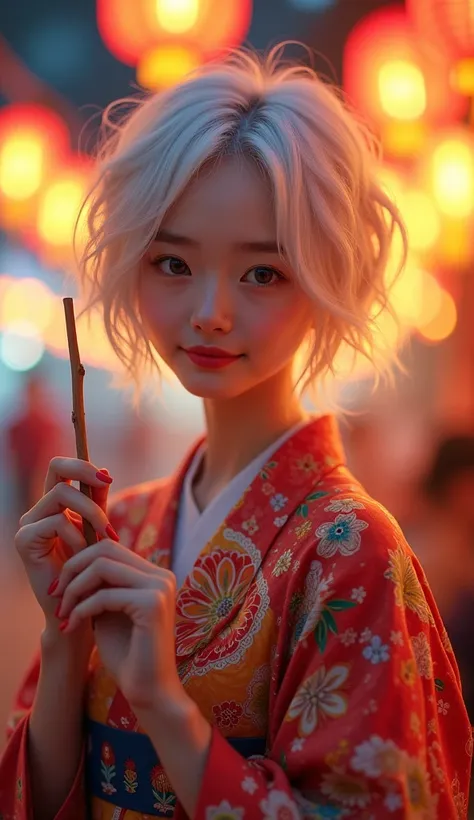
123, 769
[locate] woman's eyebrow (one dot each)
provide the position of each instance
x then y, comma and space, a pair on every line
254, 246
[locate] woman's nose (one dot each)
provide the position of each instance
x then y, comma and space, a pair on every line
213, 311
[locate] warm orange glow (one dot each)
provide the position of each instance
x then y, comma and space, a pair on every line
385, 71
452, 168
32, 138
132, 30
444, 323
166, 65
177, 16
59, 207
462, 77
421, 218
403, 139
21, 166
444, 25
431, 300
26, 300
402, 90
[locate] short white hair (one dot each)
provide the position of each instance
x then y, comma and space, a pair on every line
333, 218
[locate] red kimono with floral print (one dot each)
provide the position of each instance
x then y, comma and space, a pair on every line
306, 631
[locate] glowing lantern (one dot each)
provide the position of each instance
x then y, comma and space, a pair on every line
58, 211
448, 26
443, 323
449, 167
385, 77
130, 30
32, 138
166, 65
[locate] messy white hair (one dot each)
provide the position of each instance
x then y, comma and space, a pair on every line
333, 219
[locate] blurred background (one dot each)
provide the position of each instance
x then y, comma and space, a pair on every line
408, 69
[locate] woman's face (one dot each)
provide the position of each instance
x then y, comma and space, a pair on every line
214, 277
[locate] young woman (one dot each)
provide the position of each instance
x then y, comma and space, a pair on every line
265, 644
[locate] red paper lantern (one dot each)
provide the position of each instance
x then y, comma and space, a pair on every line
446, 24
387, 37
130, 30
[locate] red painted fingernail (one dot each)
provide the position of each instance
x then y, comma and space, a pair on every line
53, 586
64, 624
103, 476
111, 533
57, 610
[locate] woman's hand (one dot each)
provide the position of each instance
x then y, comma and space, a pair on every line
133, 605
51, 532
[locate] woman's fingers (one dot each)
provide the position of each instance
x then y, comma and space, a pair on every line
141, 606
102, 571
65, 470
62, 497
103, 550
31, 537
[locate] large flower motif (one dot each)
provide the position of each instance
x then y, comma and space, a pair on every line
219, 582
421, 800
376, 757
278, 805
341, 535
319, 697
347, 789
408, 590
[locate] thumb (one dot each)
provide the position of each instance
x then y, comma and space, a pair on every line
100, 494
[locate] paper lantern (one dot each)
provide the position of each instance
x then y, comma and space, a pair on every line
389, 81
130, 30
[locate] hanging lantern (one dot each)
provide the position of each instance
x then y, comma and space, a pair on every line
58, 210
388, 80
130, 31
32, 140
448, 27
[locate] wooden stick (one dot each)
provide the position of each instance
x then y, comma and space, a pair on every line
78, 414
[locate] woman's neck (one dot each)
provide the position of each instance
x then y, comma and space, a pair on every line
239, 429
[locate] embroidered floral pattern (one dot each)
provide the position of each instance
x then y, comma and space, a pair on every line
320, 696
421, 650
341, 535
408, 591
227, 714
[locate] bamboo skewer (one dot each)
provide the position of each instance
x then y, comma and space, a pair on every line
78, 413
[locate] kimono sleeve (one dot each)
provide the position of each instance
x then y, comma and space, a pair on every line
15, 794
367, 720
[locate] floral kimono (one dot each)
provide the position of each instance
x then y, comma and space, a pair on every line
308, 636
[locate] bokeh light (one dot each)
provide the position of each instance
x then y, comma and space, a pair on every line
26, 300
443, 322
402, 90
177, 16
452, 168
21, 346
167, 65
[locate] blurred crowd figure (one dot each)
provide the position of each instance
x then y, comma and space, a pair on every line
444, 543
33, 437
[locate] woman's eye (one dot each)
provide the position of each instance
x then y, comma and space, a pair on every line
171, 265
264, 276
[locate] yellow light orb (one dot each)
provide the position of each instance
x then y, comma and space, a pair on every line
421, 218
453, 177
177, 16
27, 300
402, 90
21, 166
59, 209
165, 66
443, 323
